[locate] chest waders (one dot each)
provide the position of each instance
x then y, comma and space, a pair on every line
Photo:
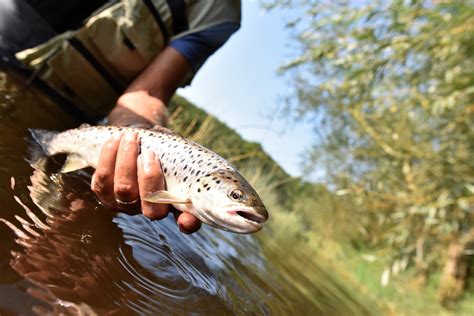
93, 65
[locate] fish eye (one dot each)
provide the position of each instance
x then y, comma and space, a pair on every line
236, 195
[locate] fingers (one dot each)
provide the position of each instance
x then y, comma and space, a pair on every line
103, 179
187, 223
115, 178
151, 179
125, 175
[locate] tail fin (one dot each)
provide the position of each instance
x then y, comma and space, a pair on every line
43, 138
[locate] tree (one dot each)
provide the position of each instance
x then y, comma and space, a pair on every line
390, 86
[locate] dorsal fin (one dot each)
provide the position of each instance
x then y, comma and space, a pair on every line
164, 130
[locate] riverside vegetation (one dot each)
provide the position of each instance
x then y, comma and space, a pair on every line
308, 218
389, 86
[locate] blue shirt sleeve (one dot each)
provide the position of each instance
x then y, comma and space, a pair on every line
197, 47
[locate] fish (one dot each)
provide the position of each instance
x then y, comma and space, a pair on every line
198, 181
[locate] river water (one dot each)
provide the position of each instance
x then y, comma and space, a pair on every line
61, 252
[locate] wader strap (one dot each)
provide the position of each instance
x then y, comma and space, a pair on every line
95, 63
178, 12
158, 20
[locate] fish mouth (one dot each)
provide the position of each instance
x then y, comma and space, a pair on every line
235, 219
256, 218
245, 221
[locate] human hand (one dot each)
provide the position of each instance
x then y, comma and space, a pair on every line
123, 176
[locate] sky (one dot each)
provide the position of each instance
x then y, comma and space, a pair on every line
239, 85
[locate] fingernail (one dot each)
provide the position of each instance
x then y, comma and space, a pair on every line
113, 140
117, 136
148, 158
129, 136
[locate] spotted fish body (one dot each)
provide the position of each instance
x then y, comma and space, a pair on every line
218, 195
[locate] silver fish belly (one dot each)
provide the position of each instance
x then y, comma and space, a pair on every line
206, 185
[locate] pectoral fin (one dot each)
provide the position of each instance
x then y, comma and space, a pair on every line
73, 163
165, 197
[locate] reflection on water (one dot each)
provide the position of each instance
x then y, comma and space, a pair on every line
73, 256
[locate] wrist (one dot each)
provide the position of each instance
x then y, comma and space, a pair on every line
139, 108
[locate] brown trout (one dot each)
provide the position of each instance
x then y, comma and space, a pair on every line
198, 181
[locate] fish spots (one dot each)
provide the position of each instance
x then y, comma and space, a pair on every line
185, 178
208, 188
166, 170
